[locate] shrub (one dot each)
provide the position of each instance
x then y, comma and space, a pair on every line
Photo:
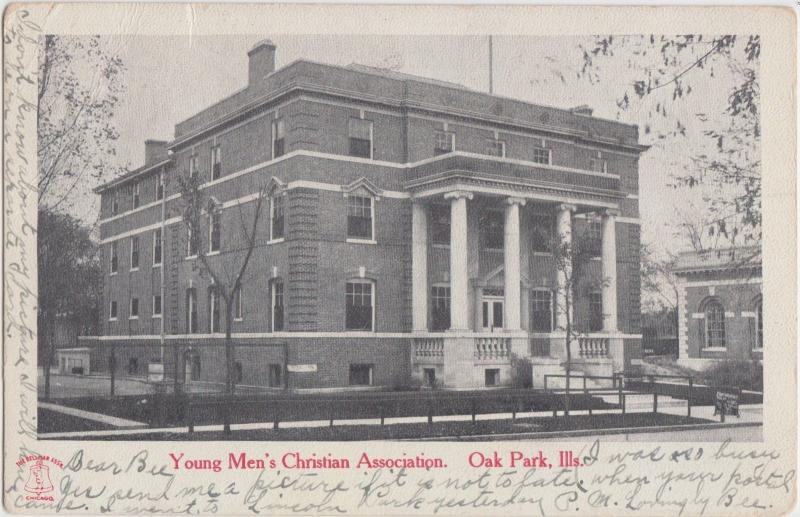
748, 375
521, 372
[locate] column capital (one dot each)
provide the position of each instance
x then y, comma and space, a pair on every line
567, 207
610, 212
516, 201
458, 194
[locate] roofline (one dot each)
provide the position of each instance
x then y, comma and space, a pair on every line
130, 176
398, 103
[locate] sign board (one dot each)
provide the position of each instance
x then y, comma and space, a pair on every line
155, 372
726, 403
301, 368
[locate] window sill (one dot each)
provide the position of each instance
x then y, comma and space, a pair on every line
131, 270
113, 273
157, 316
112, 319
542, 254
438, 245
157, 265
133, 317
360, 331
714, 349
212, 253
276, 241
238, 319
361, 241
190, 257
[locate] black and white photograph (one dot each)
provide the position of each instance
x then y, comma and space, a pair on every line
399, 260
304, 237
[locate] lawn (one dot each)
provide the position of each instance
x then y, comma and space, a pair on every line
457, 430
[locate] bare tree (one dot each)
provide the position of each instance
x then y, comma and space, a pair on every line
571, 255
203, 218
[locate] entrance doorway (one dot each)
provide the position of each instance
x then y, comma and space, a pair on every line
492, 313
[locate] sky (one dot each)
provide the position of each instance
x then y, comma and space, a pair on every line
171, 78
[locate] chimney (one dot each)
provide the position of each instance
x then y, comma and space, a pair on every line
261, 61
154, 151
583, 109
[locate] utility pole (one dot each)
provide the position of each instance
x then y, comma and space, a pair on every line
491, 67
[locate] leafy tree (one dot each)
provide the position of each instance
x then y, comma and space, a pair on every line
663, 70
70, 278
80, 84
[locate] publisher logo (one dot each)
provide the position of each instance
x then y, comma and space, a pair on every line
39, 483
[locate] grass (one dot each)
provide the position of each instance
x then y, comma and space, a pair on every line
54, 422
455, 430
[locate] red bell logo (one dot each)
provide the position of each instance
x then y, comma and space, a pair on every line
39, 479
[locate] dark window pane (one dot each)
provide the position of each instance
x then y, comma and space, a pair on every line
491, 227
360, 148
360, 374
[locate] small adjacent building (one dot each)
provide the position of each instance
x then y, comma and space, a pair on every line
719, 303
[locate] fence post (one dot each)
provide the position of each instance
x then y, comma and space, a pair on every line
655, 395
689, 399
545, 382
112, 365
619, 393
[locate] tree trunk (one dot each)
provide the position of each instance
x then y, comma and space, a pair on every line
229, 384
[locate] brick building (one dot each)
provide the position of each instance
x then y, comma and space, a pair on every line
403, 237
719, 305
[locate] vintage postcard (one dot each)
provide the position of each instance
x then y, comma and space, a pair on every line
399, 260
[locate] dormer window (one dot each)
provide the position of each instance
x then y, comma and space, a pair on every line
496, 148
278, 138
216, 162
360, 134
445, 143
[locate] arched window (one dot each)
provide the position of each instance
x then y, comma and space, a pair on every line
715, 324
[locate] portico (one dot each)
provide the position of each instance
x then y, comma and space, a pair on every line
494, 293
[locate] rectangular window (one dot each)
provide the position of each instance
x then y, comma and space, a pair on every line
444, 143
114, 257
360, 375
277, 306
214, 230
277, 215
496, 148
492, 376
440, 224
114, 204
541, 311
191, 245
192, 165
429, 375
157, 305
592, 238
216, 162
237, 304
157, 247
213, 308
541, 233
541, 155
598, 165
136, 195
191, 310
275, 375
160, 187
134, 313
133, 366
359, 308
359, 217
440, 315
278, 138
595, 311
491, 229
112, 311
360, 133
134, 253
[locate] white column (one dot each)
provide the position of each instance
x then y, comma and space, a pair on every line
609, 259
459, 278
564, 229
511, 267
419, 267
